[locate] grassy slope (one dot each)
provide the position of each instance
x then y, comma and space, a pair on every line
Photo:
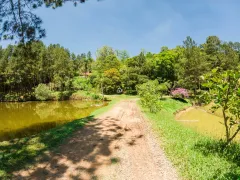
20, 153
195, 156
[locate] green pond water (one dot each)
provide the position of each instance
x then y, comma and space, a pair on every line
203, 122
27, 118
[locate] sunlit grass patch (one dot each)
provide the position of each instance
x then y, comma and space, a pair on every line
194, 155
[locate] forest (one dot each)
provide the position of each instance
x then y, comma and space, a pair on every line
34, 71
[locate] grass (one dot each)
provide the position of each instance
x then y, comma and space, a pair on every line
85, 95
115, 160
22, 153
194, 155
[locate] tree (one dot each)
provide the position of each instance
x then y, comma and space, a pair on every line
212, 45
62, 67
164, 48
122, 55
111, 81
89, 61
104, 51
161, 66
17, 20
223, 55
224, 91
150, 93
24, 66
106, 59
228, 58
133, 73
194, 65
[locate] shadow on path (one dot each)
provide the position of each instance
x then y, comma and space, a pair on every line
81, 155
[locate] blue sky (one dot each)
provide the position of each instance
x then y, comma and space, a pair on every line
137, 24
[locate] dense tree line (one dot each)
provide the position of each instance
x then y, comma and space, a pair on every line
24, 67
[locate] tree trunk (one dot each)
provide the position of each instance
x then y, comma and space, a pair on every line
102, 91
226, 126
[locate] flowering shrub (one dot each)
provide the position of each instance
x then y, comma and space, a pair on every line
180, 93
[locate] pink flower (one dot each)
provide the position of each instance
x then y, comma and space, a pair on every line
180, 93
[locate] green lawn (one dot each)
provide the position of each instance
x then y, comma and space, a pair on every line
195, 156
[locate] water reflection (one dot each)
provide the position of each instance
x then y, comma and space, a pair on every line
24, 119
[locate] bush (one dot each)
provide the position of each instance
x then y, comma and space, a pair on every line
180, 93
81, 83
150, 94
11, 97
130, 92
42, 92
62, 95
65, 95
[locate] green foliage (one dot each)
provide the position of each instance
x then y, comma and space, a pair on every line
192, 66
42, 92
108, 62
164, 87
85, 95
122, 55
150, 93
11, 97
23, 67
111, 81
65, 95
81, 83
62, 67
196, 157
161, 66
134, 73
224, 91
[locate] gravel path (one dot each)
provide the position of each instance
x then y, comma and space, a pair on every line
118, 145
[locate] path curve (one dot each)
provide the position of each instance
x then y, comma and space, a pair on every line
118, 145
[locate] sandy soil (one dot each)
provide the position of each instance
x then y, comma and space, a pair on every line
118, 145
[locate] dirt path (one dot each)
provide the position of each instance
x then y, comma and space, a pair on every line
117, 145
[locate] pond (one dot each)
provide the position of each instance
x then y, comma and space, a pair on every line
203, 122
27, 118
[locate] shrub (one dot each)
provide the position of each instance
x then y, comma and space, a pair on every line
65, 95
180, 93
11, 97
42, 92
130, 92
81, 83
150, 93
